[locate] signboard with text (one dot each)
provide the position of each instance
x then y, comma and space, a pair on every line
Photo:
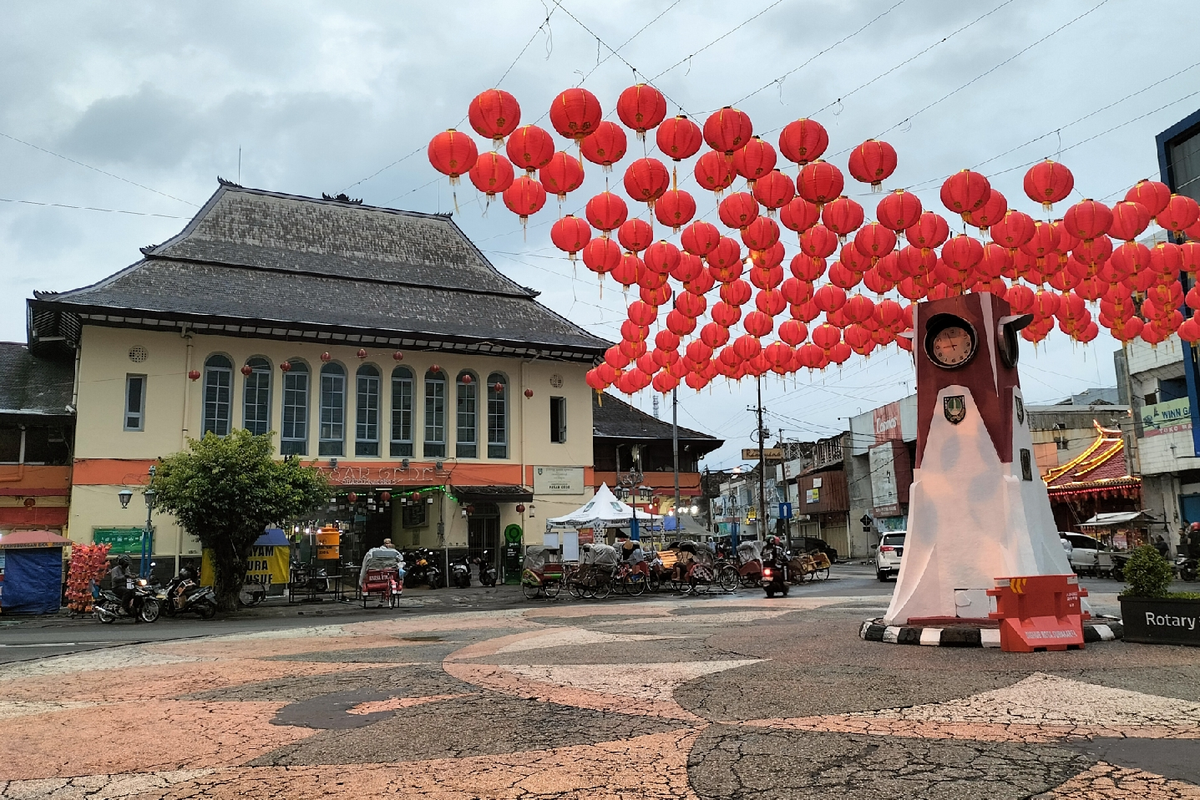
122, 540
769, 453
1168, 417
558, 480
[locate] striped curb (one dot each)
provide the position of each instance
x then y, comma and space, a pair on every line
1097, 629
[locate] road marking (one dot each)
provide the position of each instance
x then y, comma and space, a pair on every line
55, 644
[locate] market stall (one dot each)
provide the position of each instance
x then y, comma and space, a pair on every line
593, 518
31, 572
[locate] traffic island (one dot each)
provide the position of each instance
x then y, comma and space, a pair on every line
979, 633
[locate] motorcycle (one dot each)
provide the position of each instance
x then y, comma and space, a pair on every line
143, 605
487, 569
184, 595
775, 571
460, 573
423, 569
306, 579
1187, 567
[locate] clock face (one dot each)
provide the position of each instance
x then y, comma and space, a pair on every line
951, 346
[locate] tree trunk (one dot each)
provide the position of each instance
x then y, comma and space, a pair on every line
229, 566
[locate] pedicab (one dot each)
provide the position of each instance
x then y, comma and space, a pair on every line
382, 576
748, 562
595, 575
541, 572
696, 567
809, 567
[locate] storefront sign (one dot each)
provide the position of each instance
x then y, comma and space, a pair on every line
384, 476
886, 422
122, 540
812, 495
558, 480
1169, 417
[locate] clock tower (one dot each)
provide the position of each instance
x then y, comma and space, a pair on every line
978, 509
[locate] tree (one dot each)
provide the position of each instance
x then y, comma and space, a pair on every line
226, 491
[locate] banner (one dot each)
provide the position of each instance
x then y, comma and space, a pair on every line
1168, 417
267, 566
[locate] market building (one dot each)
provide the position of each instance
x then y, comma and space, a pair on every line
442, 400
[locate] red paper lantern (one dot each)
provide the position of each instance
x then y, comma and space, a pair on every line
829, 298
755, 159
747, 347
803, 141
690, 305
626, 272
819, 182
875, 241
1014, 229
601, 255
606, 211
362, 352
1045, 240
530, 148
799, 215
713, 171
843, 216
285, 366
525, 197
826, 336
1048, 182
929, 231
646, 180
570, 234
635, 235
727, 254
562, 175
326, 357
700, 238
727, 130
793, 332
872, 162
194, 375
398, 356
675, 209
528, 393
738, 210
725, 314
761, 234
575, 113
965, 191
818, 241
352, 498
774, 190
679, 138
494, 114
1181, 212
992, 212
606, 146
1129, 219
247, 370
807, 268
898, 210
962, 253
435, 368
1153, 196
690, 268
641, 108
661, 257
736, 292
492, 174
452, 153
758, 324
1087, 219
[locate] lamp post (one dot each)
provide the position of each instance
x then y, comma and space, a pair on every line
147, 532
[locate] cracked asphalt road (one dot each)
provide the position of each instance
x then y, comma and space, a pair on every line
706, 698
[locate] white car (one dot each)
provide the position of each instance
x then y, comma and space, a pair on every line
887, 557
1085, 552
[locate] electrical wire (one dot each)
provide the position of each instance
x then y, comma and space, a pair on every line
97, 169
621, 46
91, 208
727, 33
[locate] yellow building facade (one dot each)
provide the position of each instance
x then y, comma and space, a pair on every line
444, 404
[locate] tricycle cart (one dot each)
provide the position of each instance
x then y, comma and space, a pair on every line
541, 572
381, 576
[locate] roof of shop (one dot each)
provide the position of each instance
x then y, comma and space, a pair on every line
31, 385
613, 418
267, 264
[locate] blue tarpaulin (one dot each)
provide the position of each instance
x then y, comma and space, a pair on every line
274, 537
32, 581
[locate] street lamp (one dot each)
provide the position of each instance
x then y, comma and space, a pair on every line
150, 494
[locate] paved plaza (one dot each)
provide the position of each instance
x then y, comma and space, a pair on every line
706, 697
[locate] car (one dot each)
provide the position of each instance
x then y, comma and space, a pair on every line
806, 544
887, 556
1085, 551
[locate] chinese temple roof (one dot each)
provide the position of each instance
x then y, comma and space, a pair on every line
1098, 468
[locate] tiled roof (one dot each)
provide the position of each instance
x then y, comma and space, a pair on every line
254, 256
1103, 460
613, 418
31, 385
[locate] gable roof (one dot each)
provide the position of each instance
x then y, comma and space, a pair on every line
613, 418
266, 264
33, 386
1100, 466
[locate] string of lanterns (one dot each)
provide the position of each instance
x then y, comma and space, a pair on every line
1080, 272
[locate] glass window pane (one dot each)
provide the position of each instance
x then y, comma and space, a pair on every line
497, 411
435, 415
366, 431
333, 411
218, 394
402, 413
466, 423
135, 402
294, 435
256, 408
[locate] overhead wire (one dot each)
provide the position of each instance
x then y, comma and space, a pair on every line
91, 208
727, 33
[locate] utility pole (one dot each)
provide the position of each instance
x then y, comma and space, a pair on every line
675, 448
762, 465
787, 495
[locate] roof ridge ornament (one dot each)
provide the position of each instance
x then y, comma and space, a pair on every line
341, 197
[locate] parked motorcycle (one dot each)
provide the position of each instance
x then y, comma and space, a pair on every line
487, 569
422, 569
460, 573
184, 595
1187, 567
143, 605
306, 579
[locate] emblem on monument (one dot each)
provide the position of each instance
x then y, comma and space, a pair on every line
955, 408
1020, 411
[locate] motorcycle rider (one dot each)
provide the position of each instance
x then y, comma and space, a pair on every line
1193, 548
773, 553
122, 578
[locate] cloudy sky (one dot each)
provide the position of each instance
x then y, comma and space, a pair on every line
116, 119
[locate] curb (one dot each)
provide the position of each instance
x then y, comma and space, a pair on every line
1097, 629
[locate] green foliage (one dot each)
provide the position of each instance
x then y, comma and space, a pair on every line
227, 491
1147, 574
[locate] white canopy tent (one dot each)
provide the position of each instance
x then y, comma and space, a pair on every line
604, 510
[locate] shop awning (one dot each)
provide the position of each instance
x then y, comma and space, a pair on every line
1114, 519
495, 493
33, 539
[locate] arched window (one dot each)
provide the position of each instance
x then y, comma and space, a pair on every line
467, 416
366, 399
333, 411
497, 415
435, 415
293, 438
256, 407
218, 391
402, 413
